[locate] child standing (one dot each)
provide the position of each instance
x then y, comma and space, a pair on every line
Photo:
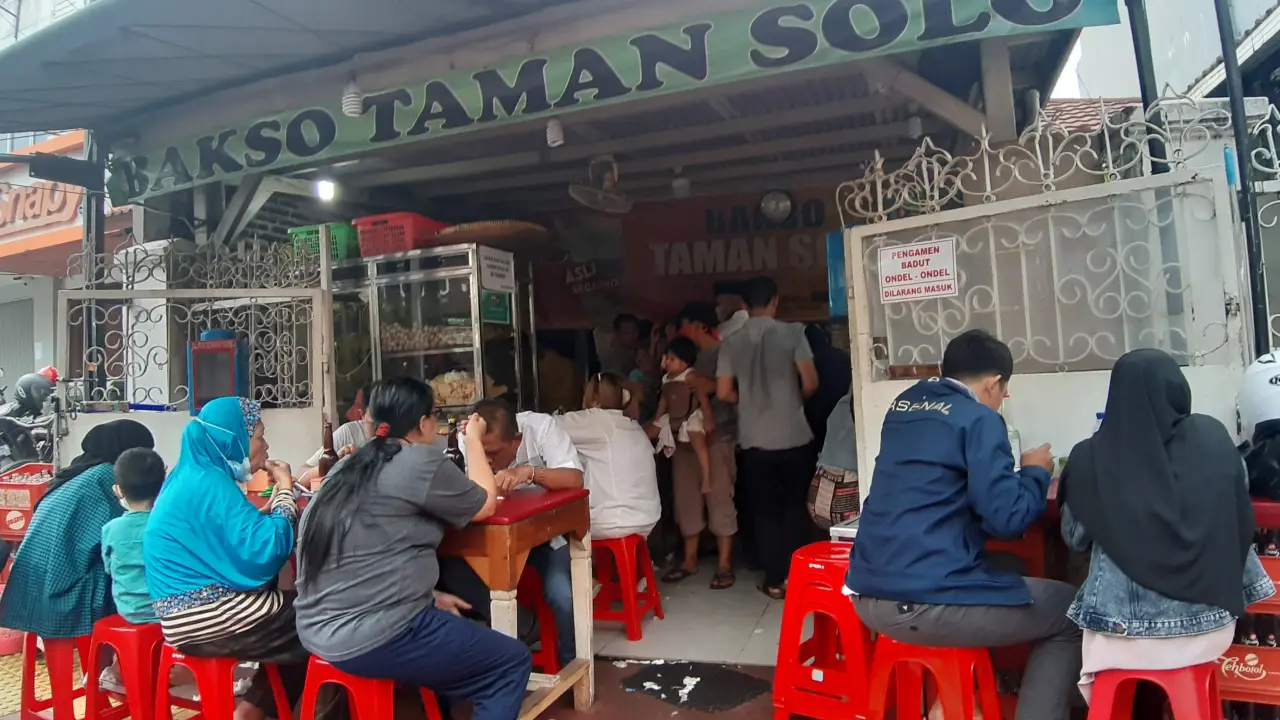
684, 414
139, 475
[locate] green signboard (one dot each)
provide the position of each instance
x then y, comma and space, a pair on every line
495, 307
716, 49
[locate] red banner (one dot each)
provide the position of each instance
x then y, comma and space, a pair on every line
653, 260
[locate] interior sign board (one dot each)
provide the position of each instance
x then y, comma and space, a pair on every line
716, 49
919, 271
497, 270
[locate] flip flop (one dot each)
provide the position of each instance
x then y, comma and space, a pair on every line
774, 593
723, 581
676, 574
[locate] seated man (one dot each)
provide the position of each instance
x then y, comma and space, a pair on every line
943, 485
348, 437
527, 449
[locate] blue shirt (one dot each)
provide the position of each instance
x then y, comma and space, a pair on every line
943, 485
122, 554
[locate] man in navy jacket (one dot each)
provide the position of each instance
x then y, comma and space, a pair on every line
943, 485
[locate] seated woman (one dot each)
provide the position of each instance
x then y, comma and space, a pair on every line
368, 568
617, 461
1160, 497
212, 558
58, 586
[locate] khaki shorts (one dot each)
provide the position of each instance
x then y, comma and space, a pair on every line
696, 512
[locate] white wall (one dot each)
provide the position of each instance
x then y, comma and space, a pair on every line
1055, 408
294, 434
43, 293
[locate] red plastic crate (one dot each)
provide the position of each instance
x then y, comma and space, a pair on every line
395, 232
1250, 674
20, 489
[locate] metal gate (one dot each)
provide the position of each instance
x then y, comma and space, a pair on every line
133, 328
1064, 246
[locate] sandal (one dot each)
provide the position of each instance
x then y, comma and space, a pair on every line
723, 581
774, 593
676, 574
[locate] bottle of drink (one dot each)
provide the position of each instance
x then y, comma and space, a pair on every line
1269, 631
1251, 636
328, 456
453, 452
1273, 545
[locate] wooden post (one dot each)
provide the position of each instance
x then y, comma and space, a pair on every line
584, 691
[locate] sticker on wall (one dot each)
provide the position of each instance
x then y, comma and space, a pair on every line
919, 271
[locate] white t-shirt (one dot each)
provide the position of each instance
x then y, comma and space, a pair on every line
733, 324
544, 444
352, 433
620, 472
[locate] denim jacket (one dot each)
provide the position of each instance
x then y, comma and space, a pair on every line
1112, 604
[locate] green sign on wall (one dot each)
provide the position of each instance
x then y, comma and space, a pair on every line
720, 48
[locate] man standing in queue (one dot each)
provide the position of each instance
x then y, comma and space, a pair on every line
766, 368
943, 485
531, 449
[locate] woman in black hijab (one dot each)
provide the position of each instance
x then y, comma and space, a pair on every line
1159, 495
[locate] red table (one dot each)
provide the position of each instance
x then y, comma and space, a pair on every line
497, 550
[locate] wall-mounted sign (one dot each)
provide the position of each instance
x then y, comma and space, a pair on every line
720, 48
497, 270
40, 204
918, 271
495, 307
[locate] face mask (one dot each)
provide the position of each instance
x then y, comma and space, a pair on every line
241, 470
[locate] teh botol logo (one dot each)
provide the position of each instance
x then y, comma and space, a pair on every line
1249, 667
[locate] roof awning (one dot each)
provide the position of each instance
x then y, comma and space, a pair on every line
116, 60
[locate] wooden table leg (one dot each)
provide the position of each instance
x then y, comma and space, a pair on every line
584, 691
502, 605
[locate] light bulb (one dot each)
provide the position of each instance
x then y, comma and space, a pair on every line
326, 190
555, 133
681, 188
352, 100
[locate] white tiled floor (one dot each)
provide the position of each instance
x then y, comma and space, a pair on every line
737, 626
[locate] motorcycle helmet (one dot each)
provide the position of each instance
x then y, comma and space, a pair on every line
1259, 398
50, 372
31, 392
1258, 414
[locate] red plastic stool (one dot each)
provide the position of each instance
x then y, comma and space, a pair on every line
137, 650
628, 555
64, 686
529, 594
1193, 692
826, 675
954, 669
215, 681
368, 699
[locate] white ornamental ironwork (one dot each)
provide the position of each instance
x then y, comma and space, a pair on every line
1066, 246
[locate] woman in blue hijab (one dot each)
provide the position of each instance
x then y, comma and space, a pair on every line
212, 558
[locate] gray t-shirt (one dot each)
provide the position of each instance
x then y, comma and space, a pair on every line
388, 566
762, 356
725, 414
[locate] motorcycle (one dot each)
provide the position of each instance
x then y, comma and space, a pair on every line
24, 438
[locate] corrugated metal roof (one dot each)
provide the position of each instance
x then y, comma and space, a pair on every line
120, 58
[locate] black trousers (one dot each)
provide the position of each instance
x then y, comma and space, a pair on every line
777, 487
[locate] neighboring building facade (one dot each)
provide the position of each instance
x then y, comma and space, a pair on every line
40, 223
1187, 54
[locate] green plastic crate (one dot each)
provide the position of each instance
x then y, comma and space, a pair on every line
342, 238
